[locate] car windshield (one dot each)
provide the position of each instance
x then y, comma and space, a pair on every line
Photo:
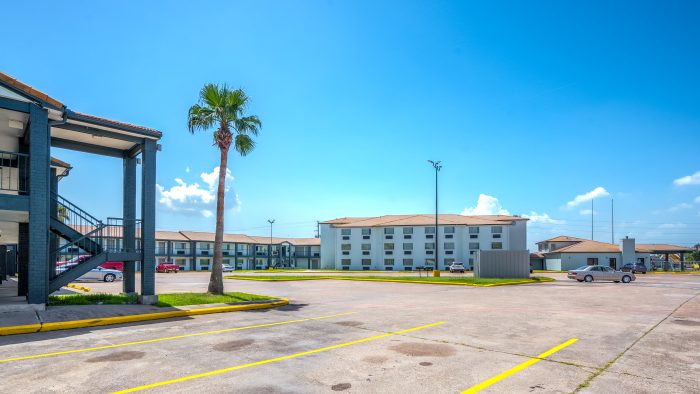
583, 268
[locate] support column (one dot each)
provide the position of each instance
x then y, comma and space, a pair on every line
53, 238
148, 223
3, 263
682, 261
22, 259
39, 165
129, 215
665, 261
193, 255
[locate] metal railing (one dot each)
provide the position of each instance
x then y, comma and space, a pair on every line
68, 213
14, 170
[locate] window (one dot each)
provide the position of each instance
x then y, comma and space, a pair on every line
592, 261
408, 230
473, 236
497, 235
388, 261
366, 231
449, 230
345, 231
473, 230
471, 261
388, 246
345, 246
449, 236
366, 246
407, 246
429, 245
430, 230
496, 245
449, 245
474, 245
496, 229
388, 230
407, 262
366, 262
345, 261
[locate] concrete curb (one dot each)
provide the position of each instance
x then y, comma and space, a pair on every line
104, 321
78, 287
675, 273
394, 281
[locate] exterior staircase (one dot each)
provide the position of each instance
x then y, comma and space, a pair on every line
89, 242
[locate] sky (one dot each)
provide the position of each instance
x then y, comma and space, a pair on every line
534, 108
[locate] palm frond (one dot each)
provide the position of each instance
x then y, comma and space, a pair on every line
200, 118
244, 144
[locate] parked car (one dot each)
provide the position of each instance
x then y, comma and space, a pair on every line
167, 267
74, 260
634, 268
227, 267
106, 275
113, 265
589, 273
456, 267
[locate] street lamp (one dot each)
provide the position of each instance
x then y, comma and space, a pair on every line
437, 166
269, 248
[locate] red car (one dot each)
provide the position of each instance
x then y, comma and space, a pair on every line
113, 265
167, 267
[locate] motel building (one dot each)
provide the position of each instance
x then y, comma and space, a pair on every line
567, 253
404, 242
38, 224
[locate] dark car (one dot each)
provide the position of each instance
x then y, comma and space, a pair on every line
634, 268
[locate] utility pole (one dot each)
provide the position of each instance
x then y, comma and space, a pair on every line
437, 166
269, 248
591, 219
612, 219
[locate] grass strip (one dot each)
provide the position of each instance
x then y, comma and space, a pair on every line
170, 299
467, 281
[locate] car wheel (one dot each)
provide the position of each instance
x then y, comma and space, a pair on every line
588, 278
626, 279
110, 278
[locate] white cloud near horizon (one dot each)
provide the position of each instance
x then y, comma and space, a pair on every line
542, 218
693, 179
581, 198
678, 207
194, 199
586, 212
486, 205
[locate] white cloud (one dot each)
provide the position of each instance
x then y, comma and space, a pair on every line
486, 205
688, 180
194, 199
542, 218
673, 225
678, 207
581, 198
697, 200
187, 169
586, 212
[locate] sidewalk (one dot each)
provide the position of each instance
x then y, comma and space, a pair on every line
78, 316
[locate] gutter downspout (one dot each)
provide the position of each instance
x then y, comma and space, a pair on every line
64, 120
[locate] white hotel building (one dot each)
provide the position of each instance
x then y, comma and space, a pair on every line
403, 242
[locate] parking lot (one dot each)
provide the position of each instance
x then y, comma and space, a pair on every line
386, 338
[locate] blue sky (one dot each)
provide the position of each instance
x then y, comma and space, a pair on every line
530, 105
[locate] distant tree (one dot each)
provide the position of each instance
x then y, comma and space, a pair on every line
223, 110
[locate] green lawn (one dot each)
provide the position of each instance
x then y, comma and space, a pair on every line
409, 279
173, 299
179, 299
92, 299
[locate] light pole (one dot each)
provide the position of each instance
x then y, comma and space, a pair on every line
437, 166
269, 248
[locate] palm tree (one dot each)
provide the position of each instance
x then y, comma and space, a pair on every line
223, 108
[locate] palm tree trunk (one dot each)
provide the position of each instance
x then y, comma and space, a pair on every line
216, 281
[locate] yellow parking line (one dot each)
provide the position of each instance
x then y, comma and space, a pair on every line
89, 349
272, 360
518, 368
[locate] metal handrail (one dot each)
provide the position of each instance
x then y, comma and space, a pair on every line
62, 201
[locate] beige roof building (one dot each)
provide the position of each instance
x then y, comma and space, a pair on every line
423, 220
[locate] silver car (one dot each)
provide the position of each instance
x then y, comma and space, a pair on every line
102, 274
589, 273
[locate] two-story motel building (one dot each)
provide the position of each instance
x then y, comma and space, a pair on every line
403, 242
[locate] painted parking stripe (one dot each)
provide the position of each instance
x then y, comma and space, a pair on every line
518, 368
273, 360
196, 334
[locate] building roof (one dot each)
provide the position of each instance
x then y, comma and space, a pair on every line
199, 236
76, 116
170, 236
563, 238
23, 87
664, 248
588, 246
423, 220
